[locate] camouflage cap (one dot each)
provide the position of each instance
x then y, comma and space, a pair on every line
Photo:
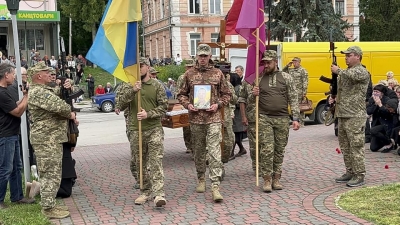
143, 60
52, 71
296, 59
270, 55
40, 66
152, 70
189, 62
353, 49
203, 49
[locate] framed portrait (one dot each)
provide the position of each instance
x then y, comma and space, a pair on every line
202, 96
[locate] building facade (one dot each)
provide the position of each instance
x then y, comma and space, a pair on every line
37, 23
172, 27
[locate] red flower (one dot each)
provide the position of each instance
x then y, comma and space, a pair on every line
386, 167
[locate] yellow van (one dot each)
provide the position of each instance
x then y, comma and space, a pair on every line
378, 57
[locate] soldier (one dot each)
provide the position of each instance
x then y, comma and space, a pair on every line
154, 105
153, 73
186, 130
276, 90
121, 106
205, 125
351, 112
300, 78
49, 117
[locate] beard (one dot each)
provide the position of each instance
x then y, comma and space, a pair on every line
142, 76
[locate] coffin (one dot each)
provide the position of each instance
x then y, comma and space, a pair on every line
176, 115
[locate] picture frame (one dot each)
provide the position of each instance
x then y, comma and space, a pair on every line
202, 96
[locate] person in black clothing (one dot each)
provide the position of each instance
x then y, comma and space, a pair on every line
68, 172
79, 74
90, 81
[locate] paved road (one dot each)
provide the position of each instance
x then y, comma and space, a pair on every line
104, 194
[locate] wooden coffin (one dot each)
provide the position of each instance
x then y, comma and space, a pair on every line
176, 115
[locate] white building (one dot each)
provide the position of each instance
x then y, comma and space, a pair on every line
37, 28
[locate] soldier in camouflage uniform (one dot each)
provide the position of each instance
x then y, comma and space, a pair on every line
186, 130
351, 112
300, 78
120, 106
205, 125
154, 105
49, 121
153, 73
276, 90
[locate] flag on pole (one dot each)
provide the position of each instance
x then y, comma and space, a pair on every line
252, 17
115, 46
232, 17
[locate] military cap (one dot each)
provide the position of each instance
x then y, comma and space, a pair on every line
40, 66
270, 55
52, 71
296, 59
143, 60
189, 62
353, 49
152, 70
203, 49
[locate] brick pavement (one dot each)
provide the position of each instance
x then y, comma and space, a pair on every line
104, 195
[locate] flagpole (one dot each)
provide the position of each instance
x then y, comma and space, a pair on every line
257, 99
139, 109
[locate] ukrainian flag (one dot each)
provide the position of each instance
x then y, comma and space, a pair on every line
115, 48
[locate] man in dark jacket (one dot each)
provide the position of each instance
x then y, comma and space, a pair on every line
90, 81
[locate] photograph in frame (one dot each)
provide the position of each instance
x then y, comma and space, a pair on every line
202, 96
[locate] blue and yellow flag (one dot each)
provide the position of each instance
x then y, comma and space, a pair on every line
115, 48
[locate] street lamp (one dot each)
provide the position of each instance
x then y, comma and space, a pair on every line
13, 7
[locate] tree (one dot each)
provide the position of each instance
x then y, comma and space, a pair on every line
310, 20
380, 20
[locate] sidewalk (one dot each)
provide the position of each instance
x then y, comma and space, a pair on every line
103, 193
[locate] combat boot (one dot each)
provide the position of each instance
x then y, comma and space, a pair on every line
276, 185
55, 213
61, 207
201, 185
217, 197
356, 180
344, 178
159, 201
143, 198
267, 183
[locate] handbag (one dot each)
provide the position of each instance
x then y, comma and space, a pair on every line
305, 105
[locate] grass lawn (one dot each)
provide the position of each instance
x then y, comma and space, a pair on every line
379, 205
100, 76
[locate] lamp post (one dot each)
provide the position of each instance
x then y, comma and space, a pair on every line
13, 6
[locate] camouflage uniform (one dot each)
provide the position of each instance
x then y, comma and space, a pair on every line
300, 79
49, 117
274, 127
206, 126
186, 130
351, 112
122, 90
154, 101
229, 136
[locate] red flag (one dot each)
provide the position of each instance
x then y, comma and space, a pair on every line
232, 17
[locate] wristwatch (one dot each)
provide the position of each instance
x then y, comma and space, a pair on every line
296, 119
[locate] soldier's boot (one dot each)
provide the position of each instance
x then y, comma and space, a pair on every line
267, 184
201, 185
55, 213
276, 185
356, 180
344, 178
159, 201
62, 207
217, 197
143, 198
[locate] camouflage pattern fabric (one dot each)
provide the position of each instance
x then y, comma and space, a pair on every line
179, 84
352, 86
40, 66
274, 134
351, 141
153, 153
251, 135
49, 115
207, 138
300, 79
49, 161
187, 137
229, 135
220, 93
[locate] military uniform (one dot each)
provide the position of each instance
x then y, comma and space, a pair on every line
49, 119
205, 126
300, 79
154, 101
277, 91
229, 136
351, 112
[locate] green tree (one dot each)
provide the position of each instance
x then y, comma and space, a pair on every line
380, 20
315, 17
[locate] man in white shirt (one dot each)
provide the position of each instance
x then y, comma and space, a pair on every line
53, 62
178, 60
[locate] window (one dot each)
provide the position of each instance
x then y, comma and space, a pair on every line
194, 6
34, 38
214, 38
162, 9
339, 7
149, 12
194, 41
215, 6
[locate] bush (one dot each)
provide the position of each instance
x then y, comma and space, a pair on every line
170, 71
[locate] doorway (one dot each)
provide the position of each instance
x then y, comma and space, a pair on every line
3, 43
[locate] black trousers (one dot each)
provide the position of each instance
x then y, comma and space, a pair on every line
379, 137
